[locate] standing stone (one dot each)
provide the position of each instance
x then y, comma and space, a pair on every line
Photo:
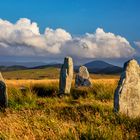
3, 93
82, 78
127, 94
66, 76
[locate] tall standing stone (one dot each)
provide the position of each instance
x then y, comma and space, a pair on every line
66, 76
3, 93
127, 94
82, 78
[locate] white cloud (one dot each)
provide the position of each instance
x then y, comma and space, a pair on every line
55, 39
99, 45
137, 48
24, 39
137, 43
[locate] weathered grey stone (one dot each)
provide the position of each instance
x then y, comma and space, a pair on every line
66, 76
127, 94
3, 93
82, 78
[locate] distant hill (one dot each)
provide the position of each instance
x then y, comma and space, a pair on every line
97, 64
47, 66
97, 67
25, 64
12, 68
18, 67
101, 67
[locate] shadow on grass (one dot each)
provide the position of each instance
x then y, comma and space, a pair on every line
42, 90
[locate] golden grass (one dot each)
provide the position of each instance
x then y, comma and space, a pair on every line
29, 82
51, 81
30, 117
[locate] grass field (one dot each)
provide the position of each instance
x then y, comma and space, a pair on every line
48, 73
36, 113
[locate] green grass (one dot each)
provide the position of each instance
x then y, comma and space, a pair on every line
86, 114
48, 73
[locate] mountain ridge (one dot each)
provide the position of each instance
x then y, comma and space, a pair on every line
102, 67
97, 67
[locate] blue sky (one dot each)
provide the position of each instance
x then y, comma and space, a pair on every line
77, 17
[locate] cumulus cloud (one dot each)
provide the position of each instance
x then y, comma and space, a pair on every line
99, 45
24, 39
137, 48
137, 43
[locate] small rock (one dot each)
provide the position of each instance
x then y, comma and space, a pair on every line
82, 78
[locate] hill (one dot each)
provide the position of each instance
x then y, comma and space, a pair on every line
47, 66
12, 68
96, 67
101, 67
25, 64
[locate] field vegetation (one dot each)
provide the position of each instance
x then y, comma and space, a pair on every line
47, 73
35, 112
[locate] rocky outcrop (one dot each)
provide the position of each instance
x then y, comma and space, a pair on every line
82, 78
127, 94
66, 76
3, 93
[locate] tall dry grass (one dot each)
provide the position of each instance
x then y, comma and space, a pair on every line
86, 114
